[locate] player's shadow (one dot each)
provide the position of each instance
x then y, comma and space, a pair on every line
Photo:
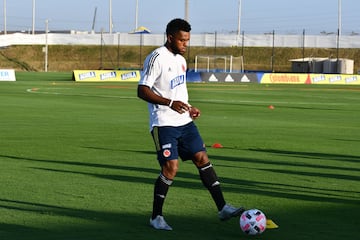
230, 184
293, 190
93, 224
100, 225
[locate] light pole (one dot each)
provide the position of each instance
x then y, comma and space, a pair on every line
5, 31
239, 23
46, 44
339, 17
239, 18
338, 37
110, 17
187, 10
136, 14
33, 19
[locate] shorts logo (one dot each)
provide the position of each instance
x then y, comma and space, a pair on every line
166, 146
166, 153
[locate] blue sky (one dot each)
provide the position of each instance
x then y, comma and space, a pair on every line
258, 16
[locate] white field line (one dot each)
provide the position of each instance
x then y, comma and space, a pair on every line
36, 90
40, 91
267, 102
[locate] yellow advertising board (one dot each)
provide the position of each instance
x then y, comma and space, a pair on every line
335, 79
284, 78
311, 78
106, 75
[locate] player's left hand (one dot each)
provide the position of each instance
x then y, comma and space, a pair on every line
194, 113
180, 107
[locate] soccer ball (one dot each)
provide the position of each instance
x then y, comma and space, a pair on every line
253, 222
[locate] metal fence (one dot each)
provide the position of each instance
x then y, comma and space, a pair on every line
205, 40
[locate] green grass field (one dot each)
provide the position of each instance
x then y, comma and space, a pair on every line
77, 161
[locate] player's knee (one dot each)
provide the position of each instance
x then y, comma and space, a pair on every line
201, 158
170, 168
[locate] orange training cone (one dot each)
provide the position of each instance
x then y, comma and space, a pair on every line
217, 145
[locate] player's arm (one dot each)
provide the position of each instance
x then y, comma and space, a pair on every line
144, 92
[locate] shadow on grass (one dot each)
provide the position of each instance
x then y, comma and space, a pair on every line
235, 184
97, 225
325, 156
295, 224
93, 224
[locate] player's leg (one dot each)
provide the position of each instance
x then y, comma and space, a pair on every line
166, 147
210, 180
192, 145
162, 185
161, 188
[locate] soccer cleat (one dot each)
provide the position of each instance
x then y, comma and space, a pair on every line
159, 223
229, 211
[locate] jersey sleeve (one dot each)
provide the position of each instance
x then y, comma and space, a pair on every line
151, 71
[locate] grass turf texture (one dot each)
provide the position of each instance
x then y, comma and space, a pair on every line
77, 161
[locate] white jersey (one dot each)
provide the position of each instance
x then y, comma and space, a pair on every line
165, 74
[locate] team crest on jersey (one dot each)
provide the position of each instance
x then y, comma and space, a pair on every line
166, 153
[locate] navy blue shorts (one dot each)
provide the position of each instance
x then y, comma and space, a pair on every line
174, 142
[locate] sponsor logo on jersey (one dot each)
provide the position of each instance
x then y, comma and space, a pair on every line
177, 81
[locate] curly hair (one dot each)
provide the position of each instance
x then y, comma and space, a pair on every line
176, 25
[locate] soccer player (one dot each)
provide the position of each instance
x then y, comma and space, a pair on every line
163, 86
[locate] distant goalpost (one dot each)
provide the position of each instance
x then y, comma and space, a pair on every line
218, 63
